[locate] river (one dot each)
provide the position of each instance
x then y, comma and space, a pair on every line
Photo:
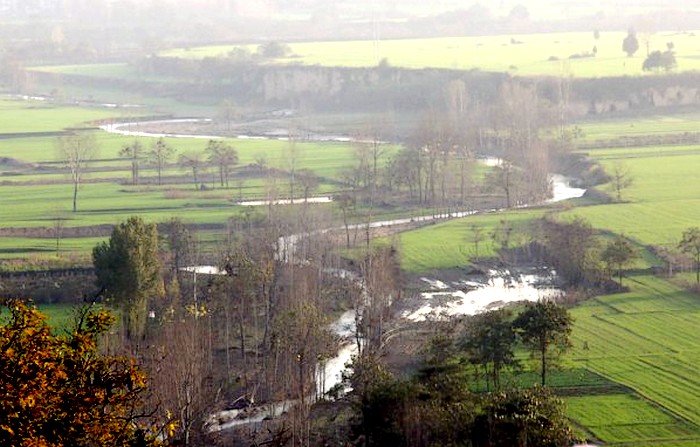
465, 297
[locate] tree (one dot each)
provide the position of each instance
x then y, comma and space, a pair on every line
618, 253
630, 45
133, 152
658, 60
180, 243
75, 152
223, 156
60, 390
477, 235
273, 50
193, 161
488, 341
521, 418
541, 326
570, 248
227, 113
308, 182
690, 244
347, 204
128, 269
183, 379
621, 179
159, 155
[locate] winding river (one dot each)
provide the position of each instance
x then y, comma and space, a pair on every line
459, 298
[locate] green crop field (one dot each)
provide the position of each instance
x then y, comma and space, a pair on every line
643, 342
639, 126
619, 418
40, 116
532, 54
450, 244
662, 201
644, 339
36, 191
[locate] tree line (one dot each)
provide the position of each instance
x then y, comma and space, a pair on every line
78, 150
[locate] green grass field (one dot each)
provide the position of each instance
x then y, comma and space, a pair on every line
517, 54
35, 191
451, 244
40, 116
662, 201
531, 54
642, 342
639, 126
644, 339
58, 316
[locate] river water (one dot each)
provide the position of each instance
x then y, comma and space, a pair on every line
464, 297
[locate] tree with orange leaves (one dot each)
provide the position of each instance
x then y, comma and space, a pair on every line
59, 390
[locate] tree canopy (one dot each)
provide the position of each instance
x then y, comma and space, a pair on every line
542, 325
658, 60
690, 245
128, 269
630, 45
488, 341
59, 390
617, 254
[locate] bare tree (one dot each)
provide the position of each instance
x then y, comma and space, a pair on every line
476, 237
227, 113
76, 151
193, 161
223, 156
621, 179
308, 181
181, 378
133, 152
159, 155
346, 203
58, 224
293, 155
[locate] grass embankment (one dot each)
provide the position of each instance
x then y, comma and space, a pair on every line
41, 116
642, 343
531, 54
35, 192
451, 244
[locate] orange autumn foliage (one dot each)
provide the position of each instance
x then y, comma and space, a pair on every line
59, 390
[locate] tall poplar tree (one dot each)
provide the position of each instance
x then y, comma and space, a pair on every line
129, 270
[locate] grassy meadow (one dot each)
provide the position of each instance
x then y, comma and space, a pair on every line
643, 342
662, 201
36, 191
532, 54
450, 244
551, 54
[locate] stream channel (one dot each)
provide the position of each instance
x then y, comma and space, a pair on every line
464, 297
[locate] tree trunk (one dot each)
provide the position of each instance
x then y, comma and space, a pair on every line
543, 351
75, 197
